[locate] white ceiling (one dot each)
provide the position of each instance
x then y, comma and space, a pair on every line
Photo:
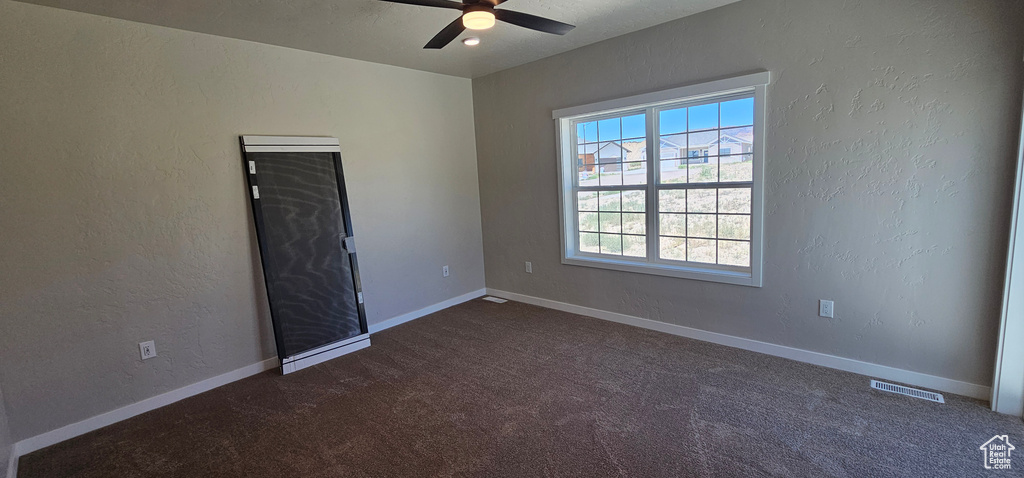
394, 34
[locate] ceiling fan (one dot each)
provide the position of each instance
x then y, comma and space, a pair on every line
481, 15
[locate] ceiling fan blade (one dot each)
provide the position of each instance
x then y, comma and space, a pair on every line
450, 32
430, 3
533, 22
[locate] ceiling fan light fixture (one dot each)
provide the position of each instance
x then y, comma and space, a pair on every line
481, 15
478, 20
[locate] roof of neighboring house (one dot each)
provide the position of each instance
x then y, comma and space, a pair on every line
728, 138
635, 150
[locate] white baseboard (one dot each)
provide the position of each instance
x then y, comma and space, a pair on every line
430, 309
831, 361
53, 437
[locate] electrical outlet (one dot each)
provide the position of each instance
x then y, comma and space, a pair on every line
444, 271
529, 267
147, 350
825, 308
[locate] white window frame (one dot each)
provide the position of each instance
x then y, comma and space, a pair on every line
754, 84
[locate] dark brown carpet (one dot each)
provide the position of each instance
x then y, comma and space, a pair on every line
513, 390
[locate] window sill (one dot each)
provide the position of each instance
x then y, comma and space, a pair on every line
708, 275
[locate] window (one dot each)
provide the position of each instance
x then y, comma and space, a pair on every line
667, 183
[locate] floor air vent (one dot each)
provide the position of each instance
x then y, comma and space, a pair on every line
910, 392
495, 300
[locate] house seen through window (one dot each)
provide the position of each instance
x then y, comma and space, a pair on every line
688, 207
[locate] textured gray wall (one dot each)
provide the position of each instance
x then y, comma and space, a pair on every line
126, 216
892, 129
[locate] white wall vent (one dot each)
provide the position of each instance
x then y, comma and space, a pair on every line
495, 300
910, 392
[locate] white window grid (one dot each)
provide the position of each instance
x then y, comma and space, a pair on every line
653, 262
653, 186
